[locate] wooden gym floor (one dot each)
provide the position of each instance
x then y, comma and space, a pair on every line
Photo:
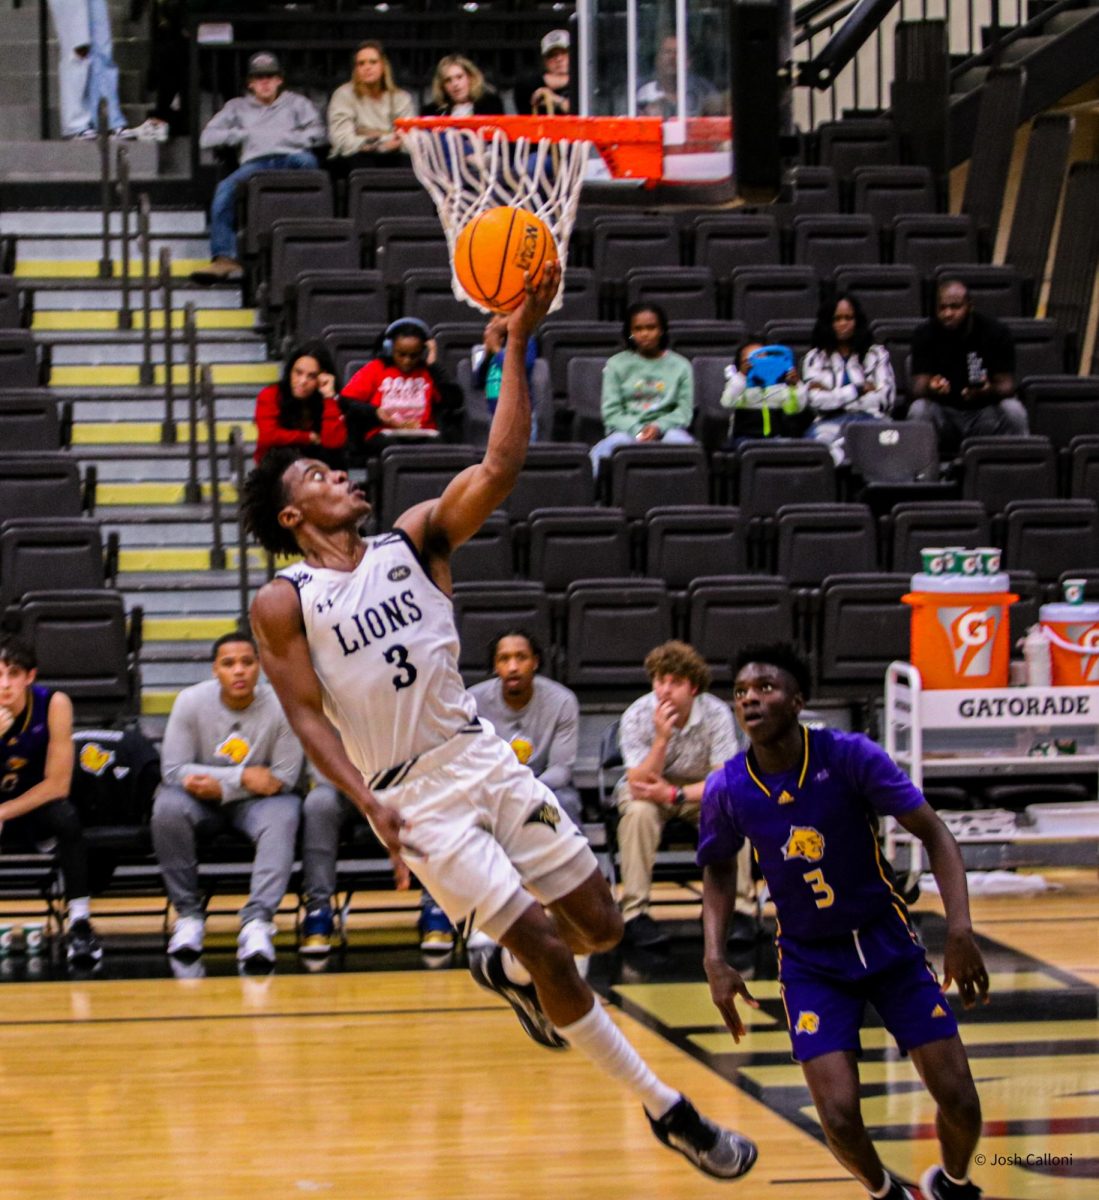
378, 1078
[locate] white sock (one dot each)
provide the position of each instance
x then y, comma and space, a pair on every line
583, 962
597, 1036
957, 1182
513, 968
80, 910
884, 1189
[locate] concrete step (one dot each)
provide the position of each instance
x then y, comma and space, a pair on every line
35, 161
173, 559
115, 348
88, 246
63, 295
30, 271
233, 410
176, 222
169, 492
109, 320
108, 376
170, 533
166, 637
147, 433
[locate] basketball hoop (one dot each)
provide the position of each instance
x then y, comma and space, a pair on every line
470, 164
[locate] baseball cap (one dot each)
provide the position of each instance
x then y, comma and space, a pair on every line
556, 39
263, 62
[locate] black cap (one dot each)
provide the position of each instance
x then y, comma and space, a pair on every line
263, 62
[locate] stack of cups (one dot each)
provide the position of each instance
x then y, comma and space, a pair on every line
957, 560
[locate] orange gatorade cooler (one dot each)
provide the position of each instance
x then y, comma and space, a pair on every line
960, 629
1073, 632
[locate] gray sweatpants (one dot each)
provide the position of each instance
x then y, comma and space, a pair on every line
269, 822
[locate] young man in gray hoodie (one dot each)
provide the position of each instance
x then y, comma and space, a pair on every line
228, 759
274, 130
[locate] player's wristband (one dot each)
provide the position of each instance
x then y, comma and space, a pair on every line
673, 794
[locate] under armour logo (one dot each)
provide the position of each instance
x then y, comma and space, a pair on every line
323, 604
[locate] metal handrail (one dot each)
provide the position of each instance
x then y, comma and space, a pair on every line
237, 469
147, 375
217, 550
192, 490
122, 169
102, 137
168, 426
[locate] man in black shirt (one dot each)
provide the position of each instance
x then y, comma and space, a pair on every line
963, 372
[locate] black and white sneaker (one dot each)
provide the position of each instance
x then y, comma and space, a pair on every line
487, 969
81, 944
936, 1186
897, 1191
717, 1152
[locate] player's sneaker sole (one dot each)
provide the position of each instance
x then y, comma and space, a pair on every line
717, 1152
488, 972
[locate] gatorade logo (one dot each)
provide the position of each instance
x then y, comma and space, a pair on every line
972, 633
1086, 636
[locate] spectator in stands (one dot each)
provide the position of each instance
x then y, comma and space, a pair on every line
765, 392
671, 739
849, 377
301, 409
363, 112
963, 372
168, 73
539, 719
459, 89
36, 767
648, 390
228, 760
273, 130
547, 94
86, 70
488, 365
659, 96
402, 390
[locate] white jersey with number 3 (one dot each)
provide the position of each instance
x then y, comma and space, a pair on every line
385, 648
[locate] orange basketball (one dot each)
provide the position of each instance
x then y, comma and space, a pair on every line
494, 251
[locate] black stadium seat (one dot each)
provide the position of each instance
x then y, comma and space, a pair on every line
271, 196
1062, 407
571, 543
684, 293
411, 474
885, 291
649, 476
40, 485
915, 526
318, 299
555, 475
611, 625
300, 244
31, 421
725, 613
1051, 537
762, 294
685, 541
813, 541
408, 243
481, 610
49, 554
997, 470
827, 242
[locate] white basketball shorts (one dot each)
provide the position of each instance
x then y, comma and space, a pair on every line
483, 835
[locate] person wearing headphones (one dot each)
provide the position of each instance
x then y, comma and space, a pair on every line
648, 390
401, 392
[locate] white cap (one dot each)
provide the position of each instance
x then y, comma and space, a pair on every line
556, 39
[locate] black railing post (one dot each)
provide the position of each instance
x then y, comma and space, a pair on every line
147, 375
125, 312
192, 492
106, 264
217, 550
236, 459
168, 427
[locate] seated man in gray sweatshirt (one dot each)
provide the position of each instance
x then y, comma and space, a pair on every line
228, 759
273, 130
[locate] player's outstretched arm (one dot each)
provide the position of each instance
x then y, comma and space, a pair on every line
718, 903
962, 961
284, 653
440, 526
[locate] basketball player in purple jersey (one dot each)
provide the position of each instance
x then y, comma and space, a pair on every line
809, 802
360, 645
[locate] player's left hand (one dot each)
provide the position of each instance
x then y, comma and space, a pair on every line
527, 317
963, 965
725, 985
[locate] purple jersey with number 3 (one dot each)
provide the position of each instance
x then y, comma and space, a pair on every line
813, 830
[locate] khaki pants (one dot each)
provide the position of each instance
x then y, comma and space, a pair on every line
640, 825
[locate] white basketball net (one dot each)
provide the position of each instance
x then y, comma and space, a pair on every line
468, 171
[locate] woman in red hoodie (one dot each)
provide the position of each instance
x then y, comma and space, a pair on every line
301, 409
400, 391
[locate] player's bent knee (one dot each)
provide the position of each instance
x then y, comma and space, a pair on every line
842, 1123
605, 931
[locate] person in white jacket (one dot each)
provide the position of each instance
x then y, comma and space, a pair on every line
848, 376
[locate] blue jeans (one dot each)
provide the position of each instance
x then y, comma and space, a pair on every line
83, 80
223, 232
603, 449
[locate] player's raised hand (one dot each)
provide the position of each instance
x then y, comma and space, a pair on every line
725, 985
527, 317
963, 965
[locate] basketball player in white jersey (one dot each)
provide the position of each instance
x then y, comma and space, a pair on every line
360, 644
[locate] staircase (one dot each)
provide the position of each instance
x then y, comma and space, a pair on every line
165, 542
